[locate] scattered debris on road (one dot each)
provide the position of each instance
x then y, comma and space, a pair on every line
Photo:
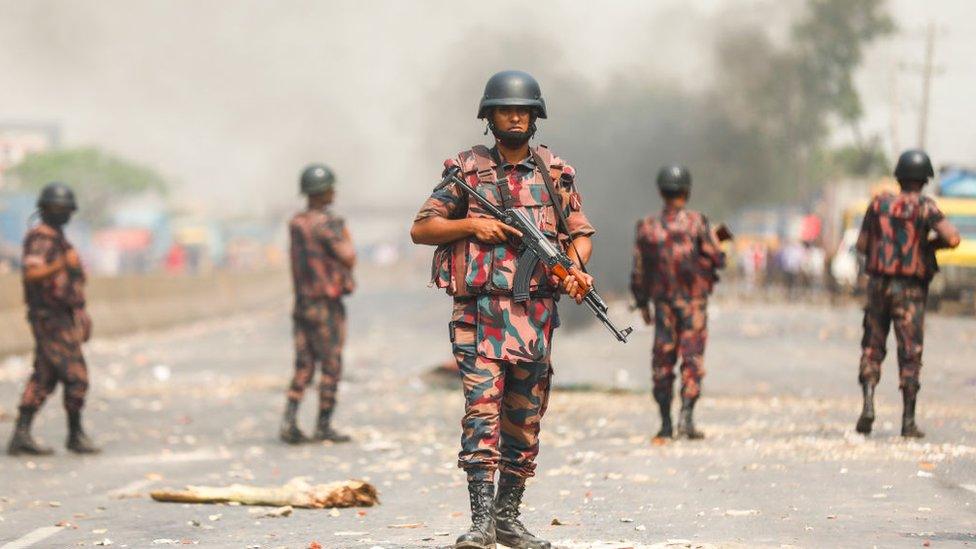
273, 512
297, 493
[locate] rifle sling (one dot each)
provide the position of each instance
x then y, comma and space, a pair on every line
557, 203
501, 181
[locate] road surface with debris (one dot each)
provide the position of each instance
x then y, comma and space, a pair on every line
781, 464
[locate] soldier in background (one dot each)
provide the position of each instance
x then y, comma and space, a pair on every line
502, 347
54, 283
899, 236
322, 259
676, 256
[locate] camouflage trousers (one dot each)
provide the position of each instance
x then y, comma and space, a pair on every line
680, 328
320, 331
57, 357
504, 402
898, 301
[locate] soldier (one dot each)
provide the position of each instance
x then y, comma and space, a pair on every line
322, 258
502, 347
900, 262
54, 283
676, 256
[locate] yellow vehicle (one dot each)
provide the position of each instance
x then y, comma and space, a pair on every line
957, 268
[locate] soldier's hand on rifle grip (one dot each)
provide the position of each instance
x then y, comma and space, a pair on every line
576, 284
491, 231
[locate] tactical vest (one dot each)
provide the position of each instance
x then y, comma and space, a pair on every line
61, 291
676, 264
896, 244
316, 272
469, 267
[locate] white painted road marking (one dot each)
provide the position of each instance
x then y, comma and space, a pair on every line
131, 489
178, 457
36, 536
970, 487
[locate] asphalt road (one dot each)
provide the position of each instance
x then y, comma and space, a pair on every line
781, 465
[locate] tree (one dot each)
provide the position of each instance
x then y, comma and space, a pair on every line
98, 178
831, 41
790, 96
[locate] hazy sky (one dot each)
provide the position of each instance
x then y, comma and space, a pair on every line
891, 81
231, 98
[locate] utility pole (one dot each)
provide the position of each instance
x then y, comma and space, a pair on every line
894, 114
927, 69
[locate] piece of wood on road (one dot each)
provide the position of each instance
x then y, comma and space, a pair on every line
297, 493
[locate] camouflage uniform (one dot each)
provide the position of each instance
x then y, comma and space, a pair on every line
56, 311
676, 257
320, 281
502, 348
900, 267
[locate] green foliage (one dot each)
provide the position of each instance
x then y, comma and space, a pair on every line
862, 161
830, 41
97, 177
789, 96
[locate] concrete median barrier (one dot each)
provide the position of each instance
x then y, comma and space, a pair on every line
126, 304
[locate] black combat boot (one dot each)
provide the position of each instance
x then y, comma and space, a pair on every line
290, 433
22, 442
867, 413
909, 393
481, 535
663, 398
509, 529
324, 430
78, 441
686, 422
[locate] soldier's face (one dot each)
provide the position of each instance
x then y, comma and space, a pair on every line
512, 119
321, 199
56, 215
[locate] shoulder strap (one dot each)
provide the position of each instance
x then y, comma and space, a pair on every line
476, 159
557, 203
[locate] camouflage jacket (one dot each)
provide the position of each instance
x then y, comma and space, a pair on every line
469, 267
316, 270
897, 227
675, 256
481, 275
60, 292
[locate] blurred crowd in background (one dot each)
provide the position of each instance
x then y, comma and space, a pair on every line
811, 250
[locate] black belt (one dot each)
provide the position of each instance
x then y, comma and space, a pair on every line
532, 295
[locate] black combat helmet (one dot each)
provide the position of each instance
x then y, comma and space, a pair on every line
674, 178
57, 194
317, 178
512, 89
914, 165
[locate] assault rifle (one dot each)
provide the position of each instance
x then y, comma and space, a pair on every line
535, 247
